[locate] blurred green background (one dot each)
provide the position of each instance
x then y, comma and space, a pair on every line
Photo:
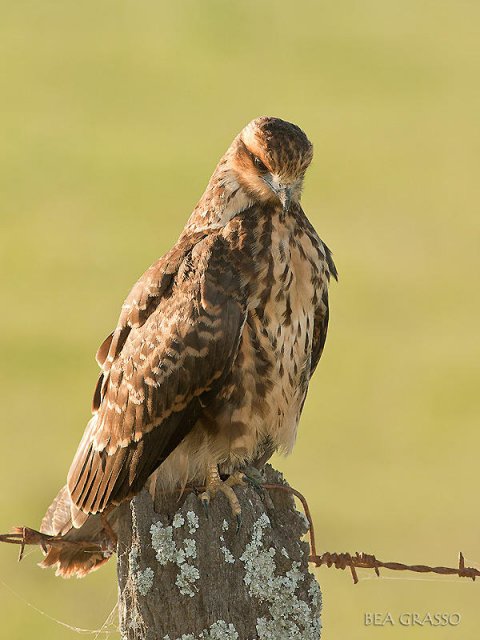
113, 116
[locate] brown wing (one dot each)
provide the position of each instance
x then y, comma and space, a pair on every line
319, 330
321, 309
57, 520
177, 336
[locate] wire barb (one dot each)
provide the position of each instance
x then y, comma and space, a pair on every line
368, 561
25, 536
365, 560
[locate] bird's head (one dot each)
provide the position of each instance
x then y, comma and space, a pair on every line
270, 157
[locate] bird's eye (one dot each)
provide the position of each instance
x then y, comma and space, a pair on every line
259, 164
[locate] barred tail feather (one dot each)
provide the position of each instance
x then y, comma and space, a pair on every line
81, 542
77, 559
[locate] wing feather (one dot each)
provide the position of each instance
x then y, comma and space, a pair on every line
177, 337
321, 316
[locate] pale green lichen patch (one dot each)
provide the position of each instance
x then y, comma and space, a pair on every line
186, 580
219, 630
192, 520
178, 521
167, 551
315, 594
227, 554
163, 543
190, 547
143, 579
290, 617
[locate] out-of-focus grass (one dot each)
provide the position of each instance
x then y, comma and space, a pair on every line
113, 116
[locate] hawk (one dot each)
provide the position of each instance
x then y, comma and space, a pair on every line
208, 368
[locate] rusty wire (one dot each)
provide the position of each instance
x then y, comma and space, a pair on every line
25, 536
366, 560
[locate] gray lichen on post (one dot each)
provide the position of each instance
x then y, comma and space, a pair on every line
183, 576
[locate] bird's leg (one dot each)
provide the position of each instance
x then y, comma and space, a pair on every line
211, 486
214, 484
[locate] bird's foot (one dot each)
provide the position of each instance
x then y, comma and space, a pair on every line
215, 484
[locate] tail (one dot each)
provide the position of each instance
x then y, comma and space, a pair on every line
73, 548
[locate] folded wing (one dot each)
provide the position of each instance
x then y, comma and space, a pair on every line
176, 339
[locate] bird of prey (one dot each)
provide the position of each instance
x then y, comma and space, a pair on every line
208, 368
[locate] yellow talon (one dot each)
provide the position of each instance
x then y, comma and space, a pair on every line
214, 484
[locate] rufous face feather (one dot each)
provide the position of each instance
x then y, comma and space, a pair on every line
270, 159
265, 164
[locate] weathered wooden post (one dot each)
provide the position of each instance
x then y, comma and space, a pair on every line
185, 576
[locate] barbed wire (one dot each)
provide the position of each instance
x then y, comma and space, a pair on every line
25, 536
369, 561
366, 560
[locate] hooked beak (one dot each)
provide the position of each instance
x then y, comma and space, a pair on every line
283, 193
285, 197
